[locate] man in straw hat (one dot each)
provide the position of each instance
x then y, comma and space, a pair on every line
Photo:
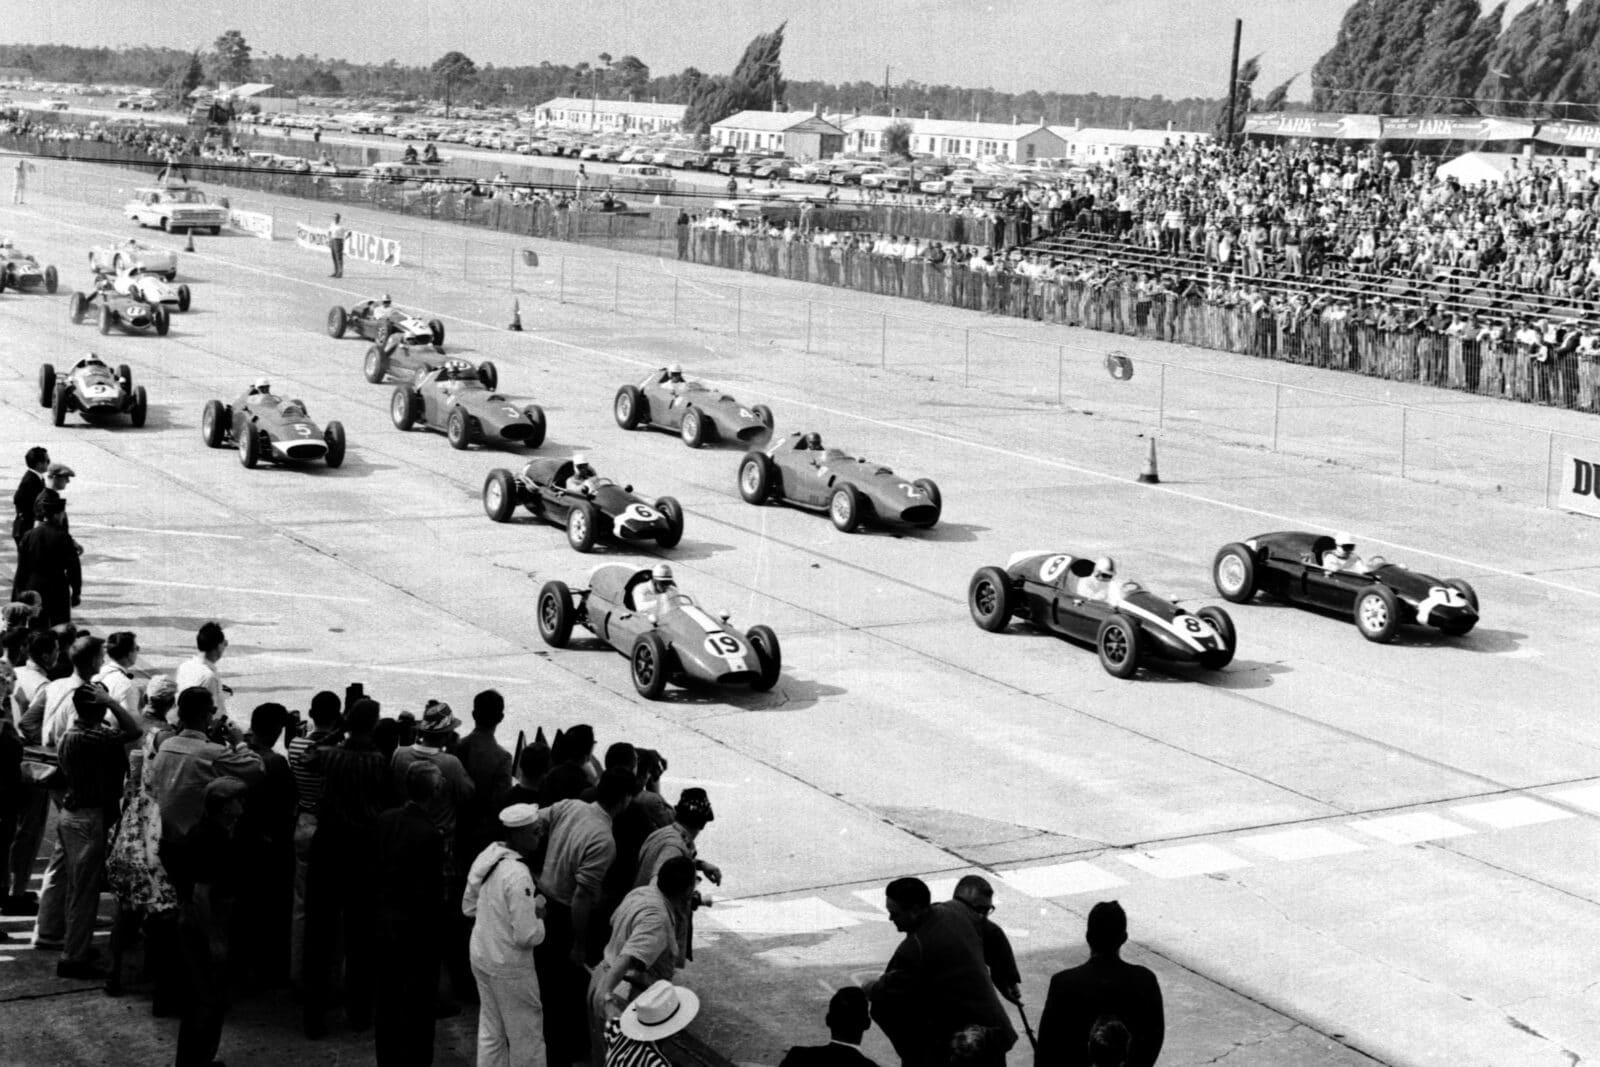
657, 1013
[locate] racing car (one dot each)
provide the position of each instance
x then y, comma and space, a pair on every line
1126, 624
384, 325
601, 508
18, 270
691, 410
797, 470
1380, 596
130, 313
135, 256
89, 387
454, 397
394, 360
264, 426
151, 288
675, 641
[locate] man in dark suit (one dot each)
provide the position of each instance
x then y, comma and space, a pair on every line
38, 461
47, 562
411, 914
847, 1021
1104, 988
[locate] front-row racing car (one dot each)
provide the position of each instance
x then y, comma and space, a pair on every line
696, 413
453, 397
797, 470
89, 387
1082, 599
409, 363
128, 313
264, 426
380, 322
666, 636
18, 270
567, 492
151, 288
1321, 572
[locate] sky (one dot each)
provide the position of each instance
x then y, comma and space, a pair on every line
1175, 48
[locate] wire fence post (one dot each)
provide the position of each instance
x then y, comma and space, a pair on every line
966, 356
808, 327
1161, 400
1550, 469
1277, 406
1061, 358
738, 311
616, 289
466, 259
561, 292
674, 299
1403, 411
883, 342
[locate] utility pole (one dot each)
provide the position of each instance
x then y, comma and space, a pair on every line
1233, 78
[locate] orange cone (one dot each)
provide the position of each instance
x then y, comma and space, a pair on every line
516, 317
190, 246
1150, 476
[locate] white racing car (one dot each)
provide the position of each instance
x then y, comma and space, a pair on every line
151, 288
136, 256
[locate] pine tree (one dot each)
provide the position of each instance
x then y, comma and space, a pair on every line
756, 84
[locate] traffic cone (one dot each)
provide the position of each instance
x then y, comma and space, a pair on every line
516, 317
1150, 476
189, 247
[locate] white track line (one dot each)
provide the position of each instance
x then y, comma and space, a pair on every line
232, 589
170, 533
419, 671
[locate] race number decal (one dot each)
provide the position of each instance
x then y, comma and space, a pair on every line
302, 429
1195, 625
638, 513
1052, 568
723, 645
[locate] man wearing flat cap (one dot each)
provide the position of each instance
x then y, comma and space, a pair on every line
47, 563
508, 924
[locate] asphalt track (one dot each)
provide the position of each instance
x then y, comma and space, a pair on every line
1331, 853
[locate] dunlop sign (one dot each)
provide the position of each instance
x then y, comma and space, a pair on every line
1579, 486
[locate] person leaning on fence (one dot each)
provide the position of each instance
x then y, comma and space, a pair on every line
336, 238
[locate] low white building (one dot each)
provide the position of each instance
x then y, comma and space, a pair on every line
802, 135
1018, 141
1093, 144
609, 116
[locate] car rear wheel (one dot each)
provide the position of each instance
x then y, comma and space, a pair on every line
184, 297
52, 280
162, 320
1118, 646
693, 428
457, 430
140, 409
77, 307
555, 613
1222, 622
1234, 572
105, 319
213, 423
845, 508
755, 477
436, 330
249, 440
333, 437
535, 416
672, 511
166, 224
763, 415
931, 489
581, 530
499, 495
58, 405
768, 655
338, 321
489, 375
403, 407
628, 407
47, 384
649, 666
1377, 614
989, 599
376, 366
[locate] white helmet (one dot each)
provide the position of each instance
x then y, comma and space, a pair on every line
661, 573
1105, 567
385, 301
580, 459
261, 385
675, 368
1344, 540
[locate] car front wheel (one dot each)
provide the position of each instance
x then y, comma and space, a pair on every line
1377, 614
649, 666
555, 614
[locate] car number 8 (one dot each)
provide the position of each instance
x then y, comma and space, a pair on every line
723, 645
1193, 624
1051, 569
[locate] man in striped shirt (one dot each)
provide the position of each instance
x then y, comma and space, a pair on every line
308, 786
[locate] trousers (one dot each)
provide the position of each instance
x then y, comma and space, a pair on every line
305, 828
510, 1018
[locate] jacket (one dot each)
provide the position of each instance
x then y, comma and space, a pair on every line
505, 906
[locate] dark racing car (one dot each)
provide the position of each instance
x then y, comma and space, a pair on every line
409, 363
264, 426
692, 410
89, 387
565, 492
128, 313
1380, 596
455, 398
383, 324
798, 470
1060, 594
18, 270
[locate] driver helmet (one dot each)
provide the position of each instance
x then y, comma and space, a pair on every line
261, 385
384, 300
5, 242
1344, 543
1105, 568
661, 577
580, 465
675, 372
458, 368
812, 441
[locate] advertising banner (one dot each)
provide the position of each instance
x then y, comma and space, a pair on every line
1570, 134
1313, 124
1446, 128
256, 223
1578, 484
368, 247
312, 237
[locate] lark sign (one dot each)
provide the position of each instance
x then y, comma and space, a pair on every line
1579, 488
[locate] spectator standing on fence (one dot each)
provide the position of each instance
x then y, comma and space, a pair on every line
1104, 987
336, 238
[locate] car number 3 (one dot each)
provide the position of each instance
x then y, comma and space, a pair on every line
723, 645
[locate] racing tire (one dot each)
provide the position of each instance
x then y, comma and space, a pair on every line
403, 407
489, 375
77, 307
693, 428
105, 319
535, 416
1117, 644
47, 384
436, 328
338, 321
58, 406
249, 446
375, 368
763, 414
384, 331
214, 424
1233, 572
162, 320
333, 436
500, 495
989, 599
125, 376
116, 261
458, 431
582, 526
647, 663
140, 409
672, 511
755, 477
166, 224
555, 614
52, 280
1222, 622
628, 407
931, 488
844, 508
769, 655
184, 297
1377, 614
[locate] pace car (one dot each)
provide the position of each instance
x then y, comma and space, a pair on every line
692, 410
264, 426
590, 508
1380, 596
89, 386
797, 470
18, 270
1058, 593
135, 256
112, 308
385, 325
454, 397
410, 362
176, 207
672, 639
151, 288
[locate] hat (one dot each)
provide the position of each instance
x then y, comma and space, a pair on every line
223, 788
437, 719
660, 1011
694, 802
17, 614
59, 470
160, 686
515, 815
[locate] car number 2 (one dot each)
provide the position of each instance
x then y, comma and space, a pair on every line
723, 645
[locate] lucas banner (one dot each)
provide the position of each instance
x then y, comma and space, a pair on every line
255, 223
360, 246
1579, 486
